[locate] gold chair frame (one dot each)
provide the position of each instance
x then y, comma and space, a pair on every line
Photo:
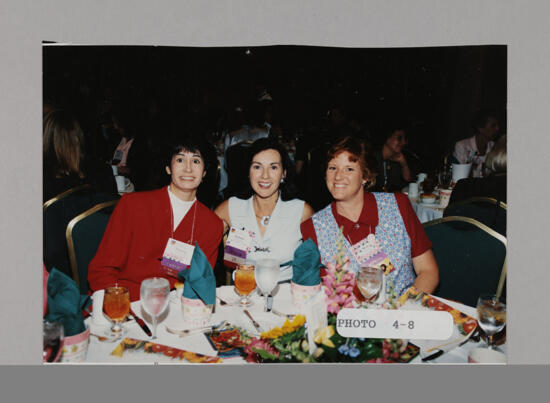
485, 228
69, 234
490, 200
62, 195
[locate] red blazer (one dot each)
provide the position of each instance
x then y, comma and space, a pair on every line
136, 236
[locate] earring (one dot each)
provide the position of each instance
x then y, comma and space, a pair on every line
282, 180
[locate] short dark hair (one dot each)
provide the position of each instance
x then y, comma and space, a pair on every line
287, 188
481, 117
188, 142
394, 125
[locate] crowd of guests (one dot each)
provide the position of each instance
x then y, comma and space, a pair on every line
281, 199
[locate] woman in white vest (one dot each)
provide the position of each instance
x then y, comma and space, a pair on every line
270, 218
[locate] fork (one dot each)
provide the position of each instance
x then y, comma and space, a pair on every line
187, 332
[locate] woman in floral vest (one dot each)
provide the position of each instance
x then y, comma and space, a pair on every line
381, 224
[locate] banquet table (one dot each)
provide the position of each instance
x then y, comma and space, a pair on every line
99, 351
426, 212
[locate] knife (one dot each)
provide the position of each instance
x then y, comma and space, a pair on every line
256, 325
141, 323
433, 356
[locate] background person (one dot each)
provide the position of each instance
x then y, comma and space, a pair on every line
392, 167
475, 149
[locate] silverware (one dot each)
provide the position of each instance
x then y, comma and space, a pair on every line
222, 302
284, 315
256, 324
105, 338
187, 332
433, 356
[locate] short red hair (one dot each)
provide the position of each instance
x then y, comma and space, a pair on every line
360, 152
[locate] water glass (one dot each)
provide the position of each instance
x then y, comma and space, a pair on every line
491, 312
369, 281
154, 298
267, 274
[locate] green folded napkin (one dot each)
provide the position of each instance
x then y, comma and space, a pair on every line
65, 303
199, 278
306, 264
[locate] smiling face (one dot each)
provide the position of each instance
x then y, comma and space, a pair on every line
186, 170
344, 177
266, 172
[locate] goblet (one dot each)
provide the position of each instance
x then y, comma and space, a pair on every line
267, 274
491, 311
369, 281
53, 336
116, 305
154, 294
245, 283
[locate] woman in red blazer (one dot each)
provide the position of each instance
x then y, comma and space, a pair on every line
142, 223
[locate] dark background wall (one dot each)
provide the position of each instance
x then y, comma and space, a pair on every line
436, 89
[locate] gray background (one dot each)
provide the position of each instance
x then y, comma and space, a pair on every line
520, 25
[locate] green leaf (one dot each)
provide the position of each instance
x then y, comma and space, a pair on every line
264, 354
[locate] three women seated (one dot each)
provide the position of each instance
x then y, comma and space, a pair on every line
274, 223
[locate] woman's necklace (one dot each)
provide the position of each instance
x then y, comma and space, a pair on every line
264, 219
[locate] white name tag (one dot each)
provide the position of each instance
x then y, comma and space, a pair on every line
238, 245
176, 257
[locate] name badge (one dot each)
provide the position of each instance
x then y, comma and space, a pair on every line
176, 257
237, 246
368, 252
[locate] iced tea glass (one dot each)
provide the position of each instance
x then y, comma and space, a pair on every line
116, 305
245, 283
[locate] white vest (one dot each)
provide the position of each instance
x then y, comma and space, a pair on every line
282, 235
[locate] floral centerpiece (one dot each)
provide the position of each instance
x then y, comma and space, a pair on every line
289, 342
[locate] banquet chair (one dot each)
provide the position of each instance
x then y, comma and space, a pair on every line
471, 258
486, 210
64, 194
83, 234
57, 215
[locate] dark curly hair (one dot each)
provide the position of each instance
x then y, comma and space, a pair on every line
287, 187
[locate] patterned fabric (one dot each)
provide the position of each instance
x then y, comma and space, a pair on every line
390, 232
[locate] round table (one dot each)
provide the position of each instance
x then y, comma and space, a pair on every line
99, 351
426, 212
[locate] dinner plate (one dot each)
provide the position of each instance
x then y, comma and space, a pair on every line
464, 325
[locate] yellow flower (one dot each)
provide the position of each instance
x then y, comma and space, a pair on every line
322, 336
288, 327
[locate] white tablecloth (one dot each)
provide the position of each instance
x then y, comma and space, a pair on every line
99, 351
426, 212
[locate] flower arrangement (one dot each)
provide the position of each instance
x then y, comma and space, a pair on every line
289, 342
281, 344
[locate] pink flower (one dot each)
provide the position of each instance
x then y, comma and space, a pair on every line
333, 308
258, 344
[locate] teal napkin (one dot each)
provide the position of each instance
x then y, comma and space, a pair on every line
306, 266
65, 303
199, 278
